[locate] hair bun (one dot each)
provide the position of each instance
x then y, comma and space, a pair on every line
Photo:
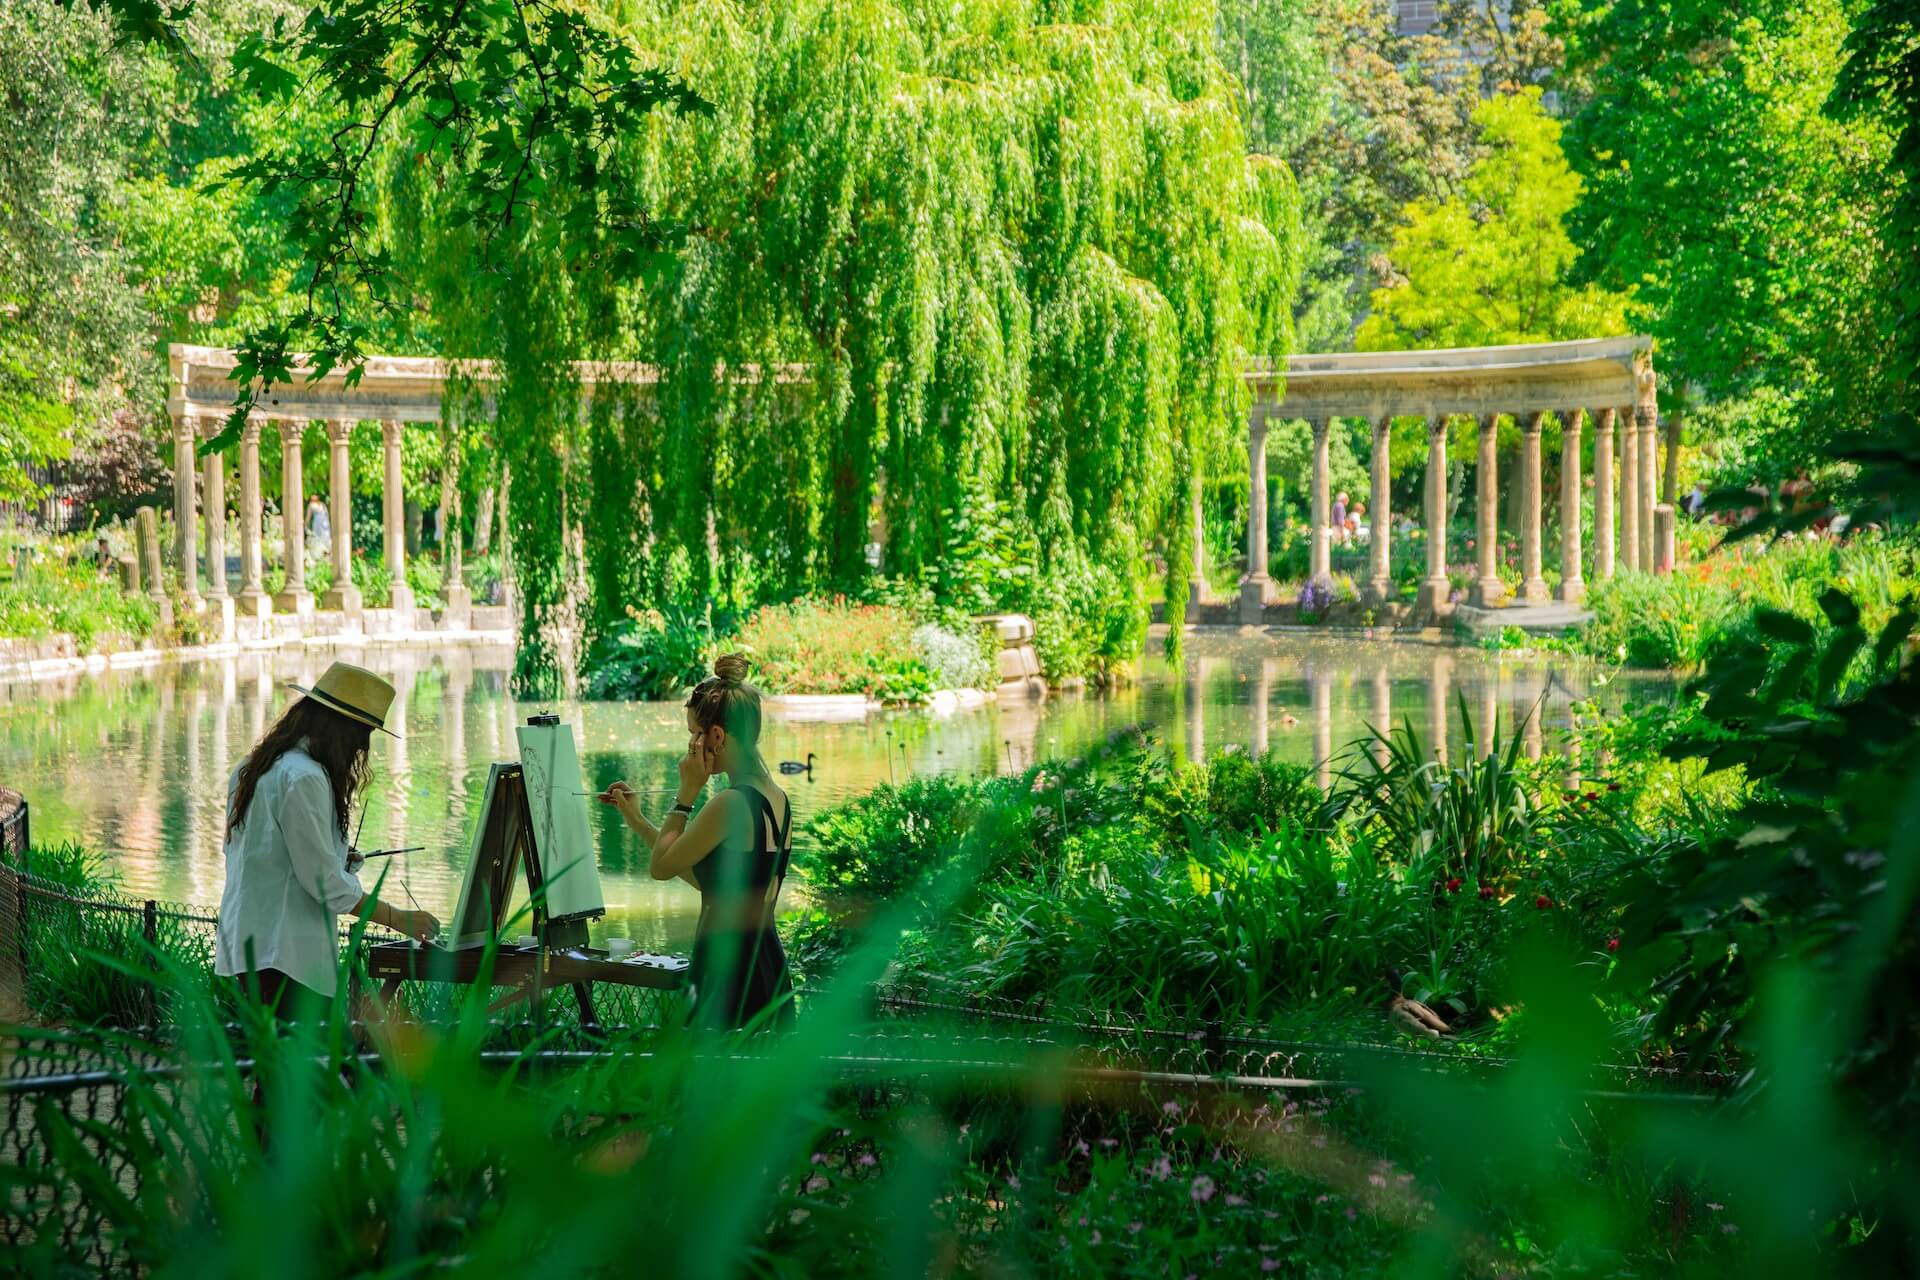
731, 667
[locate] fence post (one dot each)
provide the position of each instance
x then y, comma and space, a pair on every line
150, 930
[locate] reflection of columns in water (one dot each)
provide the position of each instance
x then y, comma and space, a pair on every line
1320, 689
398, 759
454, 719
1196, 709
229, 700
1382, 711
1533, 692
1489, 709
1263, 708
262, 697
1440, 693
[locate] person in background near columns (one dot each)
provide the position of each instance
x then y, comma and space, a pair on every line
1337, 518
1357, 530
319, 527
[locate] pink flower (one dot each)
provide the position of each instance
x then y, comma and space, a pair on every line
1269, 1264
1234, 1200
1202, 1190
1170, 1107
867, 1160
1374, 1179
818, 1182
1352, 1213
1162, 1169
1133, 1228
1013, 1182
1094, 1238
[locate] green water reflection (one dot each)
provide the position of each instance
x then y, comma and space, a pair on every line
134, 763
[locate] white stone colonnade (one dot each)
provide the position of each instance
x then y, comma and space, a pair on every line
1609, 380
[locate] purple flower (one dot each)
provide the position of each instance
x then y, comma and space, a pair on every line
1202, 1190
1235, 1200
1162, 1169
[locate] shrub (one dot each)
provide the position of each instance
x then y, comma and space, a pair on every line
835, 646
954, 660
53, 599
651, 658
1089, 621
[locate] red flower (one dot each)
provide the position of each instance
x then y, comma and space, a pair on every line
1453, 885
1543, 902
1613, 943
1613, 786
1486, 891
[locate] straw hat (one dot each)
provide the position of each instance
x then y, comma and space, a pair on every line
355, 693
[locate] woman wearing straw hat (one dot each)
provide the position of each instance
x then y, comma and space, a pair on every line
288, 871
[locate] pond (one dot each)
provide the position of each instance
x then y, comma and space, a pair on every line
134, 763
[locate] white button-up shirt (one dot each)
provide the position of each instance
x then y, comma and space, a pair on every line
287, 878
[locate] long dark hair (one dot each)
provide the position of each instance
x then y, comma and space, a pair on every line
336, 743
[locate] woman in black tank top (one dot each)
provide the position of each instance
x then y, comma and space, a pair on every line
735, 852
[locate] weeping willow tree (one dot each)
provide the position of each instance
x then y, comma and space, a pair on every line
940, 260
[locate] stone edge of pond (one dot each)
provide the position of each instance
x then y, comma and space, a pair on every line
49, 662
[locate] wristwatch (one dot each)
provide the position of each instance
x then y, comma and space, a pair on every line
682, 808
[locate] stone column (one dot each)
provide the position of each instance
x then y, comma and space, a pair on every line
1629, 493
1488, 593
1649, 485
214, 512
1573, 588
342, 595
393, 513
1533, 586
1256, 588
293, 597
147, 524
253, 597
1435, 590
1380, 518
1663, 539
185, 549
1321, 567
1603, 496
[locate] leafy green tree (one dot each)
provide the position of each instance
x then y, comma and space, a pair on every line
1743, 216
1492, 265
73, 326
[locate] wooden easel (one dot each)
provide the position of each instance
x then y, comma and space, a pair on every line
506, 849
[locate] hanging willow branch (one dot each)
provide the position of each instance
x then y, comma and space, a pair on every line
501, 99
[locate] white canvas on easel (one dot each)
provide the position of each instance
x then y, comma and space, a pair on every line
562, 834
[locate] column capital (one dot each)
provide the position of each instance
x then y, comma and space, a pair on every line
390, 430
250, 429
1437, 428
1571, 418
1320, 427
339, 429
1532, 423
1383, 425
1257, 430
186, 426
292, 430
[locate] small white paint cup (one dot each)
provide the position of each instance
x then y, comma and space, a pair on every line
619, 948
526, 940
